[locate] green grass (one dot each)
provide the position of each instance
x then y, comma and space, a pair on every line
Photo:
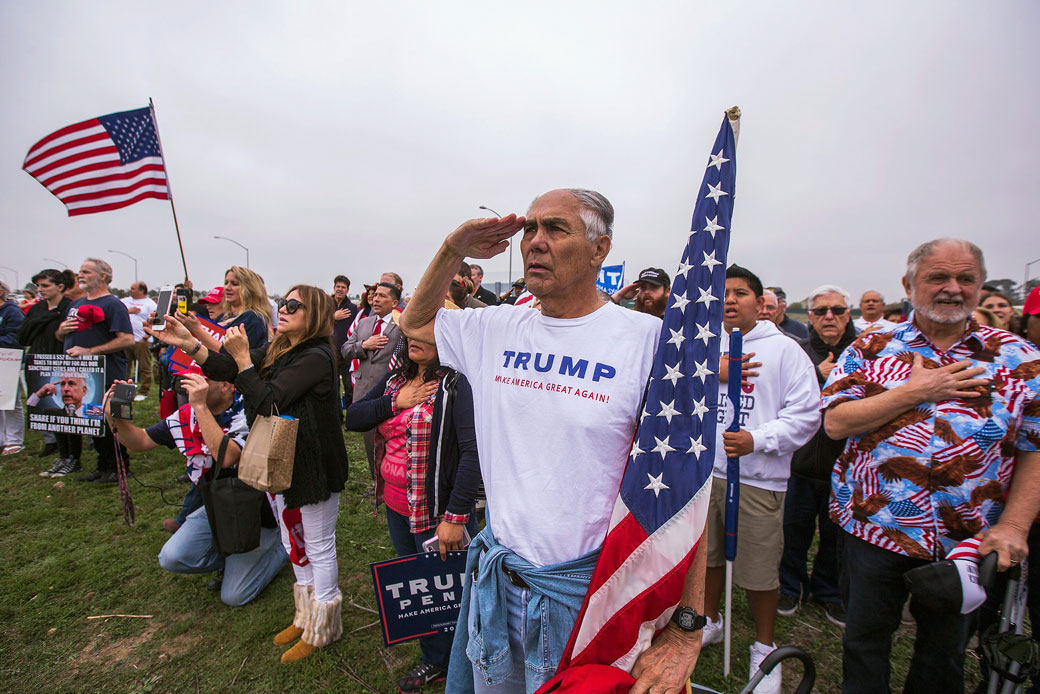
67, 555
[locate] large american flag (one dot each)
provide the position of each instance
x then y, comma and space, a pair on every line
101, 164
662, 506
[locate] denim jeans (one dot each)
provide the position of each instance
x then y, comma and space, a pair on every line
874, 593
190, 551
804, 510
435, 649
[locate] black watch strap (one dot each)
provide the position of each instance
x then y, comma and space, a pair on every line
687, 619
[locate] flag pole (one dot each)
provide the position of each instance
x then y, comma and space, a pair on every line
169, 188
736, 350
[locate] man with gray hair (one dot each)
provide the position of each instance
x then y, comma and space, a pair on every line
808, 488
99, 324
573, 375
942, 417
872, 310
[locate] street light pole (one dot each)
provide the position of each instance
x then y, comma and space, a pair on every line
52, 260
16, 280
131, 258
510, 282
225, 238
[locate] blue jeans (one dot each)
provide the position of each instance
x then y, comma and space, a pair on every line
435, 649
190, 551
805, 509
874, 593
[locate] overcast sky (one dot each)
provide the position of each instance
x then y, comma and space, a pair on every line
352, 137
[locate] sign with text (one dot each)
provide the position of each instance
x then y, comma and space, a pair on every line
611, 278
10, 372
65, 393
418, 595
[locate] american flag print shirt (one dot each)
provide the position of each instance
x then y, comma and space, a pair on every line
939, 472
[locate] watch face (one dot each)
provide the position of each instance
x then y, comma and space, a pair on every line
686, 619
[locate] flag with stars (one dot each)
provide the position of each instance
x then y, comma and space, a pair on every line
662, 505
101, 164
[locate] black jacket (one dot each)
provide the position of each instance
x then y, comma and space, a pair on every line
303, 383
39, 326
453, 471
815, 460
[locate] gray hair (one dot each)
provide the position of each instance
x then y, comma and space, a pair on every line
474, 266
913, 261
827, 289
103, 268
880, 295
4, 290
596, 212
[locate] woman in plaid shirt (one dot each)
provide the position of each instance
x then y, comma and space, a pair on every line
429, 473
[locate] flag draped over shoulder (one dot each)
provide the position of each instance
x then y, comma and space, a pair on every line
662, 505
101, 164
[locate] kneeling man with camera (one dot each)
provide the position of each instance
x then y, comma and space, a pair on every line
213, 420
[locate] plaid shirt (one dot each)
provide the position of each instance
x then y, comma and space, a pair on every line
417, 437
939, 472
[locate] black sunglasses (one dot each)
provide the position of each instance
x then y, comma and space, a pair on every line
836, 310
291, 306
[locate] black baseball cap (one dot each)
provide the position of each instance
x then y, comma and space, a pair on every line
655, 275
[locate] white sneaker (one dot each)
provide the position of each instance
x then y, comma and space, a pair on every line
770, 684
140, 398
713, 631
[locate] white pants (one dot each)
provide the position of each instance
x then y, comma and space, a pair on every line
309, 538
12, 424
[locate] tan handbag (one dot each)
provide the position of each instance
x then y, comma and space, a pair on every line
267, 460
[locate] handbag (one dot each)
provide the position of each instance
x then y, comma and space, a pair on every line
267, 460
233, 509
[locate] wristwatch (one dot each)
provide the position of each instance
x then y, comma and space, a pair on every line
687, 619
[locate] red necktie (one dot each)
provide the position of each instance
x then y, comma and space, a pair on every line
379, 327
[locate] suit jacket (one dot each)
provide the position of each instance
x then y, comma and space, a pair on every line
374, 363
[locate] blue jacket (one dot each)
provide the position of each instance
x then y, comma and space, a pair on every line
11, 318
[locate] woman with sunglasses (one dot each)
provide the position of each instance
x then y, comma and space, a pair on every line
295, 375
426, 455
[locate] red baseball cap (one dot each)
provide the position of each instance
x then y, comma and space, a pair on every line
215, 296
1032, 306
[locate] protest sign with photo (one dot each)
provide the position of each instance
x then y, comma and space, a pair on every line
65, 393
10, 371
418, 595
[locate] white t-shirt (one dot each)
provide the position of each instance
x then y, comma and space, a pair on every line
137, 320
556, 403
881, 324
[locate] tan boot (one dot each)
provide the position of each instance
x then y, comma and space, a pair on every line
302, 598
324, 625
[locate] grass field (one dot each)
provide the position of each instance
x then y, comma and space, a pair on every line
68, 555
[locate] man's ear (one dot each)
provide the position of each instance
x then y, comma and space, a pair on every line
906, 286
600, 248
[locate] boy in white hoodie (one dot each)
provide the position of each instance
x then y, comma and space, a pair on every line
779, 413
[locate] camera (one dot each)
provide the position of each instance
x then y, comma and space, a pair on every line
121, 405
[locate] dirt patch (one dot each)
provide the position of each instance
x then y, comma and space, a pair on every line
110, 652
179, 645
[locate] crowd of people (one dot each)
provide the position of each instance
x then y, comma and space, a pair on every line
886, 440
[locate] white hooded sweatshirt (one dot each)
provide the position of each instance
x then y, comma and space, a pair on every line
780, 409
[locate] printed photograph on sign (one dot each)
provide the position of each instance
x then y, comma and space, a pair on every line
65, 393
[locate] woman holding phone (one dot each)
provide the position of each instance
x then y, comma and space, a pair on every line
294, 375
244, 304
429, 473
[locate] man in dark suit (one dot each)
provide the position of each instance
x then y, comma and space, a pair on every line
373, 343
480, 292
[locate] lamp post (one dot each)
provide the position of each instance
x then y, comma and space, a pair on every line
131, 258
510, 282
1025, 281
225, 238
52, 260
17, 281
